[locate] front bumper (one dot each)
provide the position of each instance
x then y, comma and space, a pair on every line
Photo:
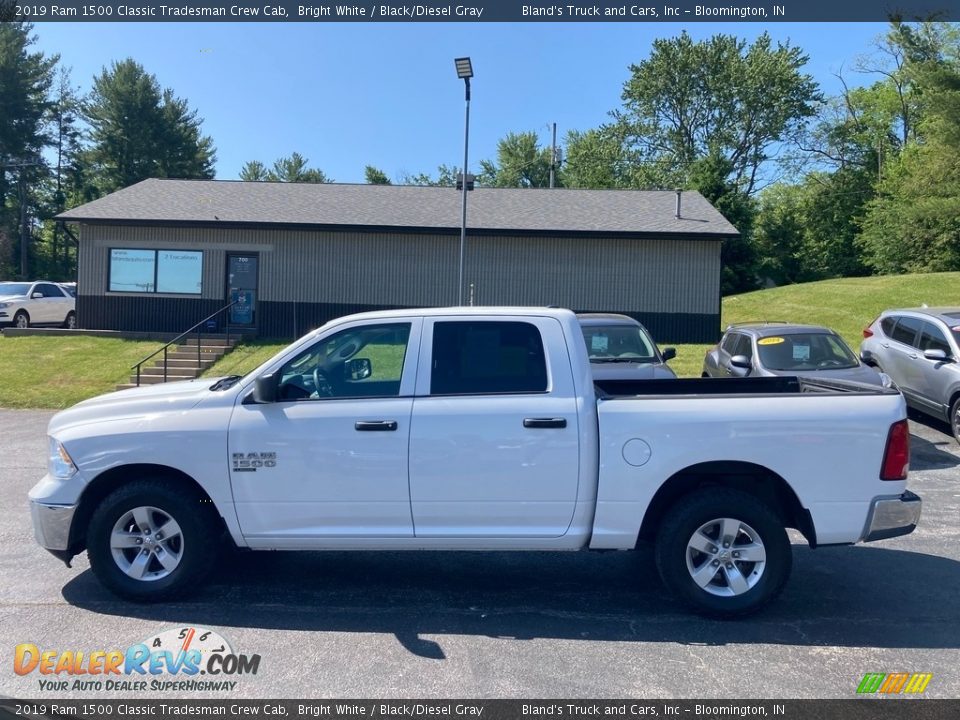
892, 516
51, 525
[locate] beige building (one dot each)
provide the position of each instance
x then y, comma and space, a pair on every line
163, 254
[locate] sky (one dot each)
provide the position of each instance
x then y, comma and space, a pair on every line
346, 95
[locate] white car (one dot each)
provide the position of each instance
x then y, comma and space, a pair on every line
23, 304
475, 428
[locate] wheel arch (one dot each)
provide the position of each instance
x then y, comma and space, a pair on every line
109, 480
757, 480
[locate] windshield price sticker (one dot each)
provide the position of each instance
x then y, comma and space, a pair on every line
770, 341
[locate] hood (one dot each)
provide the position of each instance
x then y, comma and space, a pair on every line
11, 298
133, 403
631, 371
862, 374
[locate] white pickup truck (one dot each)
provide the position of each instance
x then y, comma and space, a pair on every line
473, 429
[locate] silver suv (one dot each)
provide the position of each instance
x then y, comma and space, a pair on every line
920, 349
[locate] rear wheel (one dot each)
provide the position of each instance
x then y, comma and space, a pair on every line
71, 322
723, 552
150, 540
21, 320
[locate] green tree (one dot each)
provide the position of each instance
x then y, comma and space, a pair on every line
913, 224
375, 176
292, 168
254, 171
521, 163
718, 97
25, 80
711, 176
66, 186
446, 177
139, 131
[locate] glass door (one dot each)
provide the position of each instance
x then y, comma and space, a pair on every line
242, 289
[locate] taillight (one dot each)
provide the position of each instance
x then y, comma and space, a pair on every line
867, 332
896, 456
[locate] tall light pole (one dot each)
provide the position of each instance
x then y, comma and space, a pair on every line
464, 71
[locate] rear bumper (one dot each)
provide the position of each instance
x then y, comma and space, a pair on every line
892, 516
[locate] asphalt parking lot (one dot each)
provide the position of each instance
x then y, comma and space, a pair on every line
491, 625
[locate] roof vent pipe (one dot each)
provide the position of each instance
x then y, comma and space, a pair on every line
678, 202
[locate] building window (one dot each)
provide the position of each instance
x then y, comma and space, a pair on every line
177, 272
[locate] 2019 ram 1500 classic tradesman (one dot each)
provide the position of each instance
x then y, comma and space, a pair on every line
473, 429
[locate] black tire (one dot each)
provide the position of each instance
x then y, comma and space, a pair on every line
200, 529
21, 319
71, 320
676, 561
955, 419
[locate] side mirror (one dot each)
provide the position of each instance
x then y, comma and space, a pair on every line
740, 365
265, 389
359, 369
937, 356
669, 354
37, 296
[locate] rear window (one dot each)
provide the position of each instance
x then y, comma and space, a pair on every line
805, 351
624, 343
887, 325
477, 357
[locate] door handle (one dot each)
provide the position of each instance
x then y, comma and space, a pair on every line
376, 425
913, 355
544, 422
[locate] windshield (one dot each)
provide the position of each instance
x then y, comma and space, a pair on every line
619, 343
805, 351
10, 288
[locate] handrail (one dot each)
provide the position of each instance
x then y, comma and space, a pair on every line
181, 335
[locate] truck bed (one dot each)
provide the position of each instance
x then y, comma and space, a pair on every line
609, 389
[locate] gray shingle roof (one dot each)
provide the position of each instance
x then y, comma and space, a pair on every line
405, 206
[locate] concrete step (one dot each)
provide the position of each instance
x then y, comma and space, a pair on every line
158, 370
187, 362
153, 379
205, 354
207, 342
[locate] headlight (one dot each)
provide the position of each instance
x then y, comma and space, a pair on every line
4, 305
59, 462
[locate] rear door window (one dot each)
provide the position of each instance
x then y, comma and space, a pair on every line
487, 357
906, 330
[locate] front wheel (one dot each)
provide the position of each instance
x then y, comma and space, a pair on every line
21, 320
955, 419
723, 552
150, 540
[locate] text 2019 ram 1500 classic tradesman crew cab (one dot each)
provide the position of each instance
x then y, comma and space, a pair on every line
473, 429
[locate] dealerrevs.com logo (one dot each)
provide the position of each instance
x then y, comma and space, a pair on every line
894, 683
180, 659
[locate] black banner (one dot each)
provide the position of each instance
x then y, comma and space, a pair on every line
478, 11
873, 708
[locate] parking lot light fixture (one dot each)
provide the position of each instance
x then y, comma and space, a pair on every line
465, 72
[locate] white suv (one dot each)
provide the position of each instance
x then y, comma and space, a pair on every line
23, 304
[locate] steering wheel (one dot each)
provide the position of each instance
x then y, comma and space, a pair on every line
321, 384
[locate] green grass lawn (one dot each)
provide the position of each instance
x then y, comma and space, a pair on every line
58, 371
847, 305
